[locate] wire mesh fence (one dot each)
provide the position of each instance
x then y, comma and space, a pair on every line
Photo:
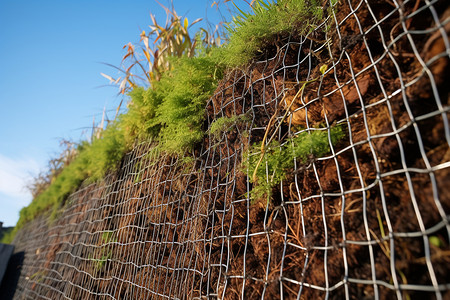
368, 219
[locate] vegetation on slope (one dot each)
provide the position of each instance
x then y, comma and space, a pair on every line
251, 32
180, 80
172, 110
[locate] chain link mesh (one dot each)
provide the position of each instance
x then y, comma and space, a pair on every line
370, 219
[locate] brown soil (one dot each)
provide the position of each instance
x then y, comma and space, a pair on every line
306, 235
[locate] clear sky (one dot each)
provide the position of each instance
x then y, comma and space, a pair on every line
51, 55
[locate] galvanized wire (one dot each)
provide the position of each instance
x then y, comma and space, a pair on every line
343, 225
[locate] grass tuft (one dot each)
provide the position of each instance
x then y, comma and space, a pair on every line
279, 159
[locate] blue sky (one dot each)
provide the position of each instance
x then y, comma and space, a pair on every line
51, 55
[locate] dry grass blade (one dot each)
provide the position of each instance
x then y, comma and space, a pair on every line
144, 63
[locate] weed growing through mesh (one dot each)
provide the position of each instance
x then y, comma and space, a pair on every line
279, 158
105, 253
38, 276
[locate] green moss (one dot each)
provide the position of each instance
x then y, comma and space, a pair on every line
139, 121
279, 159
186, 163
225, 124
181, 114
104, 153
251, 32
173, 109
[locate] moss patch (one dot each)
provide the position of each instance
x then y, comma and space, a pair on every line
251, 32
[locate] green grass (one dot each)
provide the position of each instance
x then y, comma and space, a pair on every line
278, 160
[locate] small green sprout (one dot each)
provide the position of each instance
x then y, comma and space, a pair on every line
435, 241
